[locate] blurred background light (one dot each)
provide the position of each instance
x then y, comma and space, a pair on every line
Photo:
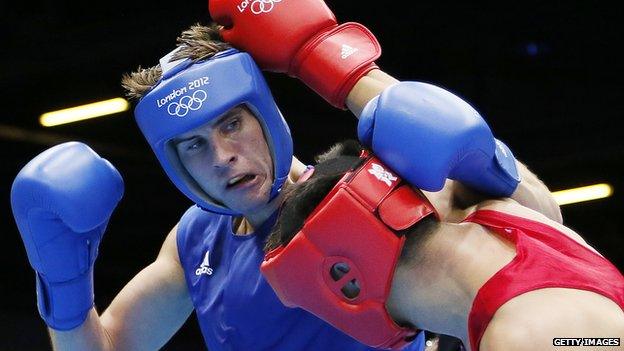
586, 193
79, 113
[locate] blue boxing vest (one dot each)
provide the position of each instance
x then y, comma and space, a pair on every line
236, 308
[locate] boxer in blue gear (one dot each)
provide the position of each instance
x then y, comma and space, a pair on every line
221, 265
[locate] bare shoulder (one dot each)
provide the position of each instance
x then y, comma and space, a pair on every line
520, 333
532, 320
511, 207
500, 335
519, 325
169, 248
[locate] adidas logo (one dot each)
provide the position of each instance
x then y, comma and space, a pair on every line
347, 51
204, 267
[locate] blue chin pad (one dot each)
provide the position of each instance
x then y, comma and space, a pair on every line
193, 93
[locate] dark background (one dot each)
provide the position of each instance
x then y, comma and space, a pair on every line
544, 75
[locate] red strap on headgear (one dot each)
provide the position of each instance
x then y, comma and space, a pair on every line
340, 265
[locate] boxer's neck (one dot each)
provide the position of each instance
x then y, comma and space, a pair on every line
434, 290
246, 225
249, 222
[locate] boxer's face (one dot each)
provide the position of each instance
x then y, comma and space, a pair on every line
230, 159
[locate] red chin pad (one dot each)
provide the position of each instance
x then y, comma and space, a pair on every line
340, 264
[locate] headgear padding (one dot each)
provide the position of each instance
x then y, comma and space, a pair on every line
340, 265
192, 93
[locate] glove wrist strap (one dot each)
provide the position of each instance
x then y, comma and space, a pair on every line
332, 62
65, 305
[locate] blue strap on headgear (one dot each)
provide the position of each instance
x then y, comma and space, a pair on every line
192, 93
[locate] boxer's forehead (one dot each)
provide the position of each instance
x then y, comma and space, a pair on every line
233, 112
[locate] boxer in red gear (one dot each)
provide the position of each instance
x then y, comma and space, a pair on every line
496, 275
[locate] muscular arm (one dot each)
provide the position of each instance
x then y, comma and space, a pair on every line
534, 194
531, 192
369, 86
143, 316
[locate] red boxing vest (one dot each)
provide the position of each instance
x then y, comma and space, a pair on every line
545, 258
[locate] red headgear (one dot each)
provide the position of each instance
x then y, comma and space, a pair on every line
339, 266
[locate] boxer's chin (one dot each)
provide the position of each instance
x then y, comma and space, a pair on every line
250, 197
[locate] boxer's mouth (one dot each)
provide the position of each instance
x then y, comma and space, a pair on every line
240, 181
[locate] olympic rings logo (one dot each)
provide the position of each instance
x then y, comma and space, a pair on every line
263, 6
187, 103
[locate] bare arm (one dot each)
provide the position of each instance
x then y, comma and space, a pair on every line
143, 316
531, 192
534, 194
367, 88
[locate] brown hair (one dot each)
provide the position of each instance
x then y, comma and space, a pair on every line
198, 42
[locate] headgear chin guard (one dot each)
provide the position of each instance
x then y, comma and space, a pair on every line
340, 265
192, 93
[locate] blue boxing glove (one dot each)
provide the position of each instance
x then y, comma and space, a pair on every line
62, 201
426, 134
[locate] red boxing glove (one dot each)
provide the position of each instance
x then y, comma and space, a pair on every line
301, 38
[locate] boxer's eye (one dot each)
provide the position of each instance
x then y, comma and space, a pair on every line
231, 125
194, 144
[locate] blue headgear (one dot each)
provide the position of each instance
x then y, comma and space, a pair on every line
192, 93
